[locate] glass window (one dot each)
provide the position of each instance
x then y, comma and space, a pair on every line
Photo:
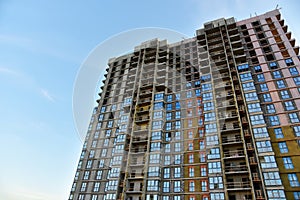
254, 107
216, 183
251, 96
289, 105
96, 187
289, 61
248, 86
166, 172
191, 158
260, 77
243, 67
264, 146
203, 186
177, 172
214, 153
166, 186
297, 131
270, 108
283, 147
293, 71
280, 84
260, 132
294, 117
272, 178
169, 98
257, 68
276, 195
274, 120
158, 105
208, 106
209, 116
277, 74
278, 133
273, 65
152, 185
214, 167
296, 195
99, 175
264, 87
268, 162
287, 162
159, 96
207, 96
257, 119
203, 171
191, 172
167, 160
267, 97
285, 94
293, 179
297, 81
177, 186
217, 196
154, 158
246, 77
83, 187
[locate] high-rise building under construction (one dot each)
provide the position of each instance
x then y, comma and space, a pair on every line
212, 117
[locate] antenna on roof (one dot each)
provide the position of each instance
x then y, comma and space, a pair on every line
255, 14
277, 6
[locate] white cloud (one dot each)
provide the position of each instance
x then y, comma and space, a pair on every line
47, 95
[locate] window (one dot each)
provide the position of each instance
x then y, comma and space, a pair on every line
251, 96
293, 71
246, 77
153, 171
83, 187
294, 117
166, 186
254, 107
159, 105
169, 98
177, 135
177, 159
81, 197
289, 105
243, 67
177, 115
276, 195
159, 96
177, 105
270, 108
206, 87
166, 172
156, 136
214, 167
177, 147
273, 65
216, 183
209, 116
94, 197
207, 96
167, 147
177, 124
260, 77
214, 153
217, 196
289, 61
110, 197
260, 132
154, 158
89, 164
152, 185
257, 68
155, 146
99, 175
198, 92
297, 195
157, 114
189, 94
157, 125
191, 158
274, 120
86, 175
191, 186
248, 86
208, 106
297, 131
267, 98
202, 157
293, 179
285, 94
177, 172
190, 146
272, 178
278, 133
177, 186
168, 126
277, 74
169, 116
257, 119
211, 140
264, 87
96, 187
283, 147
280, 84
203, 186
191, 172
203, 170
264, 146
268, 162
287, 162
167, 160
297, 81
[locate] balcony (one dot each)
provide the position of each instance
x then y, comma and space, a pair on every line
142, 119
236, 169
234, 154
238, 185
139, 139
231, 140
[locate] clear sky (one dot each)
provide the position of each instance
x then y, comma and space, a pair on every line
42, 45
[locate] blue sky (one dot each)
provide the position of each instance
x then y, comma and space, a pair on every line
42, 46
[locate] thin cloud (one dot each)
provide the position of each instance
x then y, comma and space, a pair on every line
47, 95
